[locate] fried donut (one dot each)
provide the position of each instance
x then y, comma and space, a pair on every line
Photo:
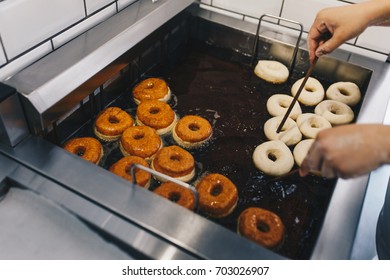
122, 168
335, 112
261, 226
111, 123
273, 158
310, 124
272, 71
312, 93
290, 133
301, 149
177, 194
218, 196
175, 162
157, 115
141, 141
192, 131
278, 104
151, 89
345, 92
87, 148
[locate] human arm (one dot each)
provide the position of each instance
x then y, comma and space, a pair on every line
334, 26
348, 151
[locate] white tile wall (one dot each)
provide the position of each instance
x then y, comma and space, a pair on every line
21, 62
253, 8
376, 37
94, 5
124, 3
84, 26
305, 11
26, 23
208, 2
2, 56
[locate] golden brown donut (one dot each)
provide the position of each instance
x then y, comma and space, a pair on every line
218, 195
157, 115
192, 131
141, 141
87, 148
175, 162
111, 123
177, 194
151, 89
122, 168
261, 226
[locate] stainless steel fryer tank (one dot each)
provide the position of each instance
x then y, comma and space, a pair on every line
190, 235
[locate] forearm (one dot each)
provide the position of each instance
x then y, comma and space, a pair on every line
377, 11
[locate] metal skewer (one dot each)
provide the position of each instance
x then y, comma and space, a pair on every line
297, 95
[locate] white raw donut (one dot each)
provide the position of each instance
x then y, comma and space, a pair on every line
312, 93
273, 158
272, 71
310, 124
278, 104
345, 92
289, 134
301, 149
335, 112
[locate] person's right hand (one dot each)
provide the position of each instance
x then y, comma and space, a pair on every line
334, 26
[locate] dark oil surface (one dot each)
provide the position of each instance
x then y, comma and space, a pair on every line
220, 86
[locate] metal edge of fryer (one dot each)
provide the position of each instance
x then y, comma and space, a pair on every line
70, 65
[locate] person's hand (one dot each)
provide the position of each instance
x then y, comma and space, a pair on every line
348, 151
334, 26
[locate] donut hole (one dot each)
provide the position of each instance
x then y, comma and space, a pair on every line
175, 158
216, 190
334, 110
174, 196
138, 136
194, 127
263, 227
149, 85
314, 125
284, 105
344, 92
154, 110
80, 151
272, 156
113, 119
309, 89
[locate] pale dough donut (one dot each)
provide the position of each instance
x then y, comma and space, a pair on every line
278, 104
289, 134
345, 92
335, 112
310, 124
273, 158
312, 93
301, 149
272, 71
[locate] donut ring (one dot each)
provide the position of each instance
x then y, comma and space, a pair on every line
87, 148
192, 131
312, 93
335, 112
218, 195
157, 115
123, 166
177, 194
272, 71
151, 89
278, 104
261, 226
310, 124
273, 158
141, 141
301, 149
175, 162
111, 123
290, 133
345, 92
